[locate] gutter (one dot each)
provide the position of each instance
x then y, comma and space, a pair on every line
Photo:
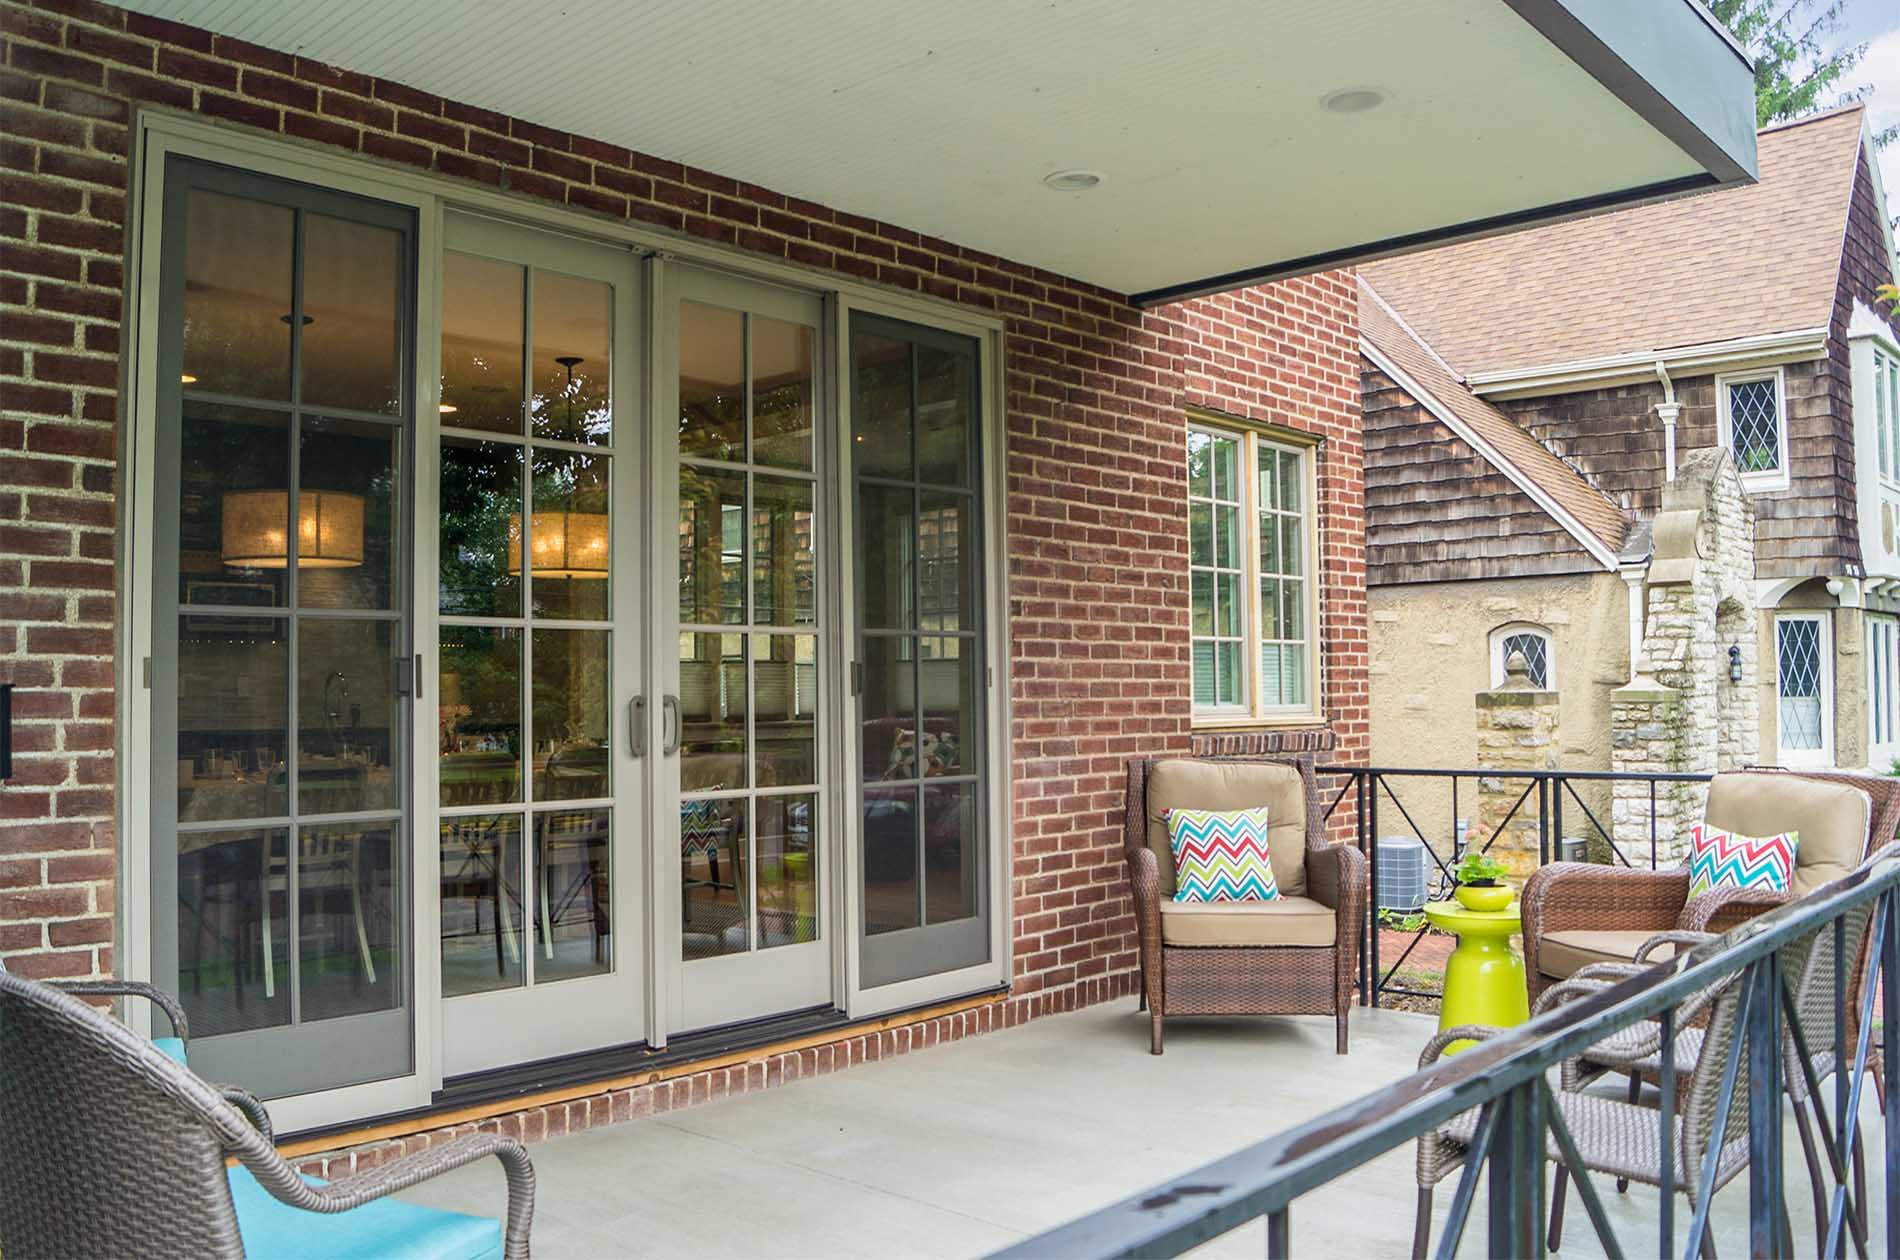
1668, 411
1644, 365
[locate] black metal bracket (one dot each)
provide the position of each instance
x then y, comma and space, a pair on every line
6, 731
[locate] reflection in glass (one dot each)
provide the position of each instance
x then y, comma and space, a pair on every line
346, 716
946, 404
712, 547
946, 671
573, 915
951, 854
782, 370
887, 706
712, 382
480, 715
482, 304
945, 561
784, 590
233, 929
237, 296
354, 459
480, 507
713, 878
227, 456
351, 348
481, 903
233, 717
890, 859
573, 327
568, 545
712, 701
881, 406
349, 919
785, 709
570, 681
886, 597
787, 870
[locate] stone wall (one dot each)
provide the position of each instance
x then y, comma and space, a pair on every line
1517, 730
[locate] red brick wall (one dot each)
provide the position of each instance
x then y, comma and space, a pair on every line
1097, 392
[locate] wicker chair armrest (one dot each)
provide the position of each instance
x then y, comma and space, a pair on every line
1435, 1048
1566, 896
1580, 986
1336, 877
354, 1191
174, 1011
1144, 883
1683, 940
1718, 911
247, 1102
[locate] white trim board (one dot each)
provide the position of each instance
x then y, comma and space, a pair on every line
1592, 545
1639, 366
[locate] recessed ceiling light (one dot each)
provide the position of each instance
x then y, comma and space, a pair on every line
1352, 100
186, 378
447, 409
1072, 181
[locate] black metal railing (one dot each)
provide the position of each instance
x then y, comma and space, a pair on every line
1520, 1127
1375, 792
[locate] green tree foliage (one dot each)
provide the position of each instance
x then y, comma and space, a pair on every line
1797, 70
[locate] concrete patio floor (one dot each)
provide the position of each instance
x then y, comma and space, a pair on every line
958, 1150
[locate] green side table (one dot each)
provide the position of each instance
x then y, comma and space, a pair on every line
1484, 978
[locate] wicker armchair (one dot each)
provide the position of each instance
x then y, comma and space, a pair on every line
1295, 956
111, 1147
1578, 913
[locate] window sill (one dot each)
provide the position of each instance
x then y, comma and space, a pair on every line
1763, 483
1220, 725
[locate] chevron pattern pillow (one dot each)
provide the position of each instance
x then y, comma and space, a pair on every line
1221, 856
1721, 859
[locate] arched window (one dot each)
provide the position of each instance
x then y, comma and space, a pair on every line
1539, 649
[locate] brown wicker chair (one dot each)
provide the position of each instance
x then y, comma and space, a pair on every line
1296, 956
111, 1147
1579, 913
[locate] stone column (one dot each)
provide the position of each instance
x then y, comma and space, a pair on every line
1517, 730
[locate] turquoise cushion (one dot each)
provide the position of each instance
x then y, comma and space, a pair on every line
174, 1048
387, 1229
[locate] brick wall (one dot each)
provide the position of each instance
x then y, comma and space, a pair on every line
1096, 398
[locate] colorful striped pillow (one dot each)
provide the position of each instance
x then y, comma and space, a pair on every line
1221, 856
1721, 859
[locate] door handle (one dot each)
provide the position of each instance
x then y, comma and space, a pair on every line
669, 725
637, 726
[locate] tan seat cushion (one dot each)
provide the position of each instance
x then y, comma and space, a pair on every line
1287, 921
1832, 820
1233, 785
1561, 954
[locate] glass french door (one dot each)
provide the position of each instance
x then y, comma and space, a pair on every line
1883, 691
744, 762
281, 601
540, 506
1804, 690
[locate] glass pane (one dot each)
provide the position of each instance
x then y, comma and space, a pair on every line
346, 514
890, 859
712, 712
233, 929
712, 547
481, 522
785, 709
480, 715
784, 589
1200, 534
946, 671
880, 406
712, 382
349, 919
1291, 491
1227, 536
782, 373
568, 544
482, 335
1292, 551
1755, 426
481, 903
1200, 465
1227, 603
346, 716
1227, 673
1227, 469
788, 870
1270, 558
1292, 609
352, 334
1203, 672
1292, 674
233, 717
952, 856
574, 910
887, 542
571, 681
1271, 627
945, 562
713, 889
946, 414
233, 506
1201, 596
1269, 480
887, 705
237, 296
573, 328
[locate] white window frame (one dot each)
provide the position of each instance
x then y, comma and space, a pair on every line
1886, 412
1883, 691
1252, 711
1512, 628
1777, 477
1807, 758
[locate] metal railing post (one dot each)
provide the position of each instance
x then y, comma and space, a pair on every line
1543, 822
1279, 1235
1515, 1177
1369, 924
1557, 813
1372, 893
1767, 1225
1888, 977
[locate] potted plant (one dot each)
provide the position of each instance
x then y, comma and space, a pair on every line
1481, 883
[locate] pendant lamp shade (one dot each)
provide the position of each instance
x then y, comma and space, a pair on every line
563, 544
329, 529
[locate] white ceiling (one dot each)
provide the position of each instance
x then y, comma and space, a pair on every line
944, 117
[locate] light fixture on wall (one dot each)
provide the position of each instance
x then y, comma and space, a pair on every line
1734, 663
562, 544
329, 529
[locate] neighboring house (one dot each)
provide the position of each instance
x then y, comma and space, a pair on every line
1527, 399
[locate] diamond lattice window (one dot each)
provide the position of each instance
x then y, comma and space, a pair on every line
1755, 426
1536, 650
1798, 683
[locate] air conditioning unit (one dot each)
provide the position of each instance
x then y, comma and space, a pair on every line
1402, 866
1573, 849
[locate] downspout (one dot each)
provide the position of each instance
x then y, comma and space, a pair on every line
1668, 410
